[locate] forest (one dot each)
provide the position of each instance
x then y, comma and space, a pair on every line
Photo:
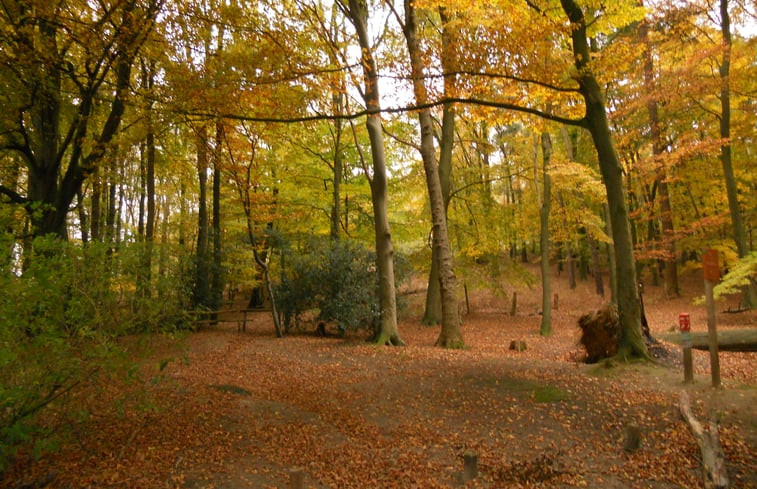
421, 174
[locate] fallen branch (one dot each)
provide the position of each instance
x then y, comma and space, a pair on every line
713, 459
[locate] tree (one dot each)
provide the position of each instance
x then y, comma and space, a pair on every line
60, 64
739, 236
546, 308
629, 309
450, 336
357, 12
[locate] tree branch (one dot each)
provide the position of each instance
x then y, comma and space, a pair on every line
393, 110
14, 196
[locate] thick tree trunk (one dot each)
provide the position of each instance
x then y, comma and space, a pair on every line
739, 235
450, 335
629, 309
388, 331
546, 281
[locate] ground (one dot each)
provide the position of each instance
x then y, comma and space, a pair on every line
224, 409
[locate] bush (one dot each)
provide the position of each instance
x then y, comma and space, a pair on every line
58, 324
335, 277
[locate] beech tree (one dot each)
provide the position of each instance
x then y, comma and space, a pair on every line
357, 12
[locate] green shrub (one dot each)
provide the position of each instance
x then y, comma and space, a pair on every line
335, 277
59, 322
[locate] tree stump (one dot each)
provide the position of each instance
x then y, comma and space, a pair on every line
518, 345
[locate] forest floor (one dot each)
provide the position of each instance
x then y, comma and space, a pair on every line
223, 409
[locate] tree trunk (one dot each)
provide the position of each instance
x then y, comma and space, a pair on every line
216, 285
338, 169
202, 265
96, 209
433, 309
658, 150
629, 311
546, 280
599, 285
388, 331
749, 299
450, 335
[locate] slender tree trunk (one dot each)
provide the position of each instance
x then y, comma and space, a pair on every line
629, 309
560, 200
658, 150
96, 200
433, 310
546, 280
202, 272
611, 257
599, 285
338, 169
450, 336
388, 331
84, 230
749, 299
111, 234
216, 285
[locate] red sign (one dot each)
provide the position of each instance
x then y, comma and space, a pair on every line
710, 265
684, 322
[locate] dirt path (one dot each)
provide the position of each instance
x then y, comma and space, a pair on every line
240, 410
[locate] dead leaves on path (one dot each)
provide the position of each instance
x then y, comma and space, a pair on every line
243, 409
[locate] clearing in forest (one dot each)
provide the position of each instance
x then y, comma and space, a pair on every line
241, 410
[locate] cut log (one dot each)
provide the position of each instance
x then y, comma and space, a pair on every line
744, 340
713, 459
518, 345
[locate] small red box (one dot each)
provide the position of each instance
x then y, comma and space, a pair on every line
684, 322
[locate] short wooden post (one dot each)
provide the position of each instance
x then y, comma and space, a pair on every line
711, 276
470, 466
514, 306
297, 478
244, 320
632, 440
684, 324
555, 302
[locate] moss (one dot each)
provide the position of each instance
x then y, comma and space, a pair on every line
550, 393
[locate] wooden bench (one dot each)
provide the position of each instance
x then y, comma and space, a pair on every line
212, 318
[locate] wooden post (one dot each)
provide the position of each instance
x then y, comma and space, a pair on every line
632, 440
297, 478
684, 324
467, 300
555, 302
711, 276
514, 306
470, 466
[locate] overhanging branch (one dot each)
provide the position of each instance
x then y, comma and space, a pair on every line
393, 110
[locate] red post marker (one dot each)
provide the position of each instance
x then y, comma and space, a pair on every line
684, 322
